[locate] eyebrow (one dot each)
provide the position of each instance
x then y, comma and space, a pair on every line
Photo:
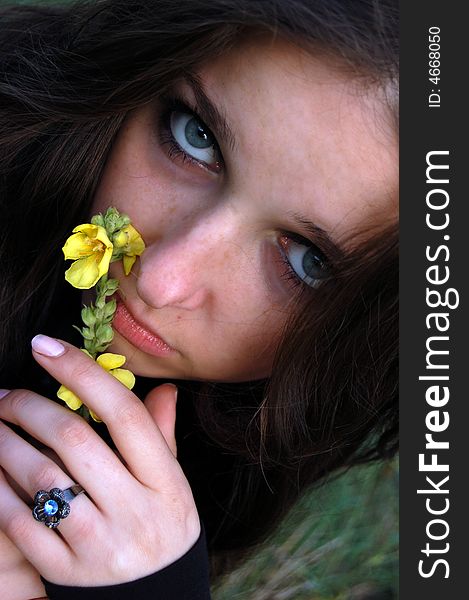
210, 113
319, 236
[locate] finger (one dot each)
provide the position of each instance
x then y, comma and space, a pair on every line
30, 469
161, 404
85, 455
17, 575
36, 542
33, 471
136, 436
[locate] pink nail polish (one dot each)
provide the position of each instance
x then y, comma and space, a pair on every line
3, 393
47, 346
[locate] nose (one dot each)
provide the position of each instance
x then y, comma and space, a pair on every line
183, 267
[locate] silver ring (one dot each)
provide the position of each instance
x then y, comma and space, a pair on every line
50, 507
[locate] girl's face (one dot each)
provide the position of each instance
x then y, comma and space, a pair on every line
244, 184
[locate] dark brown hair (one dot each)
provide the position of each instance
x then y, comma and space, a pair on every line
68, 76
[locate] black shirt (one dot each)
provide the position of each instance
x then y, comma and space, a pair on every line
185, 579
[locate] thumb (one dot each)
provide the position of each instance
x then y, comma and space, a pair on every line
161, 404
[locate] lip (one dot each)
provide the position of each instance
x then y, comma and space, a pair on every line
137, 334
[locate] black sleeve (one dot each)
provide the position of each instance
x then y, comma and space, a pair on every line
185, 579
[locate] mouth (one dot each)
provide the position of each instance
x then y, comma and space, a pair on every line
137, 334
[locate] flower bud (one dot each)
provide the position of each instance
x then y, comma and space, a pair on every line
89, 346
111, 286
109, 309
120, 239
88, 316
98, 220
104, 334
87, 334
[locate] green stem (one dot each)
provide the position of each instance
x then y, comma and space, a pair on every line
98, 334
101, 291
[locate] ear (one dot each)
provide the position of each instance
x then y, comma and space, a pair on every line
161, 404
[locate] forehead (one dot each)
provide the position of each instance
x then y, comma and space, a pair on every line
308, 134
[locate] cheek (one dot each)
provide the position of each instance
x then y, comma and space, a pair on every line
153, 198
247, 348
255, 305
255, 355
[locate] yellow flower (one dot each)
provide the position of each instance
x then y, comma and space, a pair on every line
111, 363
129, 239
91, 249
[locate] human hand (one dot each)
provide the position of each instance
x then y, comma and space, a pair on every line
138, 517
19, 580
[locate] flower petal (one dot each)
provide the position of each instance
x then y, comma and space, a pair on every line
110, 361
88, 229
84, 273
95, 417
124, 376
128, 263
70, 399
77, 246
94, 232
136, 244
105, 259
102, 236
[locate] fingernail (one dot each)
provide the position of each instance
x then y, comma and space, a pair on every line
3, 393
43, 344
175, 390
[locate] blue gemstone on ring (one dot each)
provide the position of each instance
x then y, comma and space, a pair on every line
51, 507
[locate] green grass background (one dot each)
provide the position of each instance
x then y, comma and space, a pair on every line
340, 542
